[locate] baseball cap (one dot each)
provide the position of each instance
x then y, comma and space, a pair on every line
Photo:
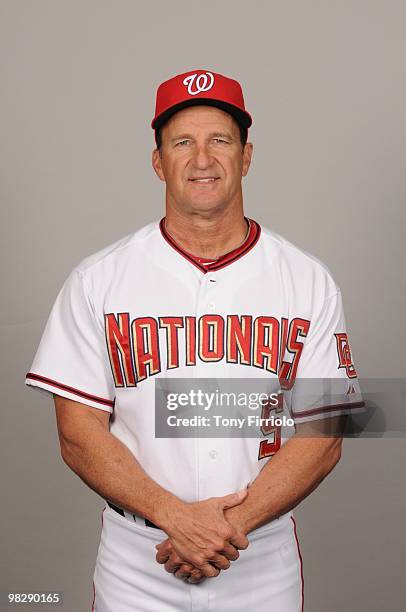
200, 87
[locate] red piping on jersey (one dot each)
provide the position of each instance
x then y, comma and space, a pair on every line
328, 409
300, 559
94, 588
94, 596
251, 240
59, 385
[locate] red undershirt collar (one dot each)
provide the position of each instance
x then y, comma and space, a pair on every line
208, 265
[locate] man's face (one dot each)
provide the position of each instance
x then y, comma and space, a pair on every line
202, 159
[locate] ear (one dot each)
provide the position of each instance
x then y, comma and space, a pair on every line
157, 165
247, 156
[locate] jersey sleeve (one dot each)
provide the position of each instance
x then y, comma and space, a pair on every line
326, 383
72, 358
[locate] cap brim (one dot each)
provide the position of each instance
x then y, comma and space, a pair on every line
242, 117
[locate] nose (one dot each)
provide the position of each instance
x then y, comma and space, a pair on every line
202, 158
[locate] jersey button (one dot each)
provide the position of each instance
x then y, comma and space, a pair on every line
213, 454
211, 306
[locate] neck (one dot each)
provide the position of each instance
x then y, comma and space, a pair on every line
208, 236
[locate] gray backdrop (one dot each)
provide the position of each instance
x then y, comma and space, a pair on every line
325, 83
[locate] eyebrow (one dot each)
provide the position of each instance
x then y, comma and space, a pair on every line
212, 135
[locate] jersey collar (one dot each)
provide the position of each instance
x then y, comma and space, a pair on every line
209, 265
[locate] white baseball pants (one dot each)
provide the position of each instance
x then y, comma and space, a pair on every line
267, 577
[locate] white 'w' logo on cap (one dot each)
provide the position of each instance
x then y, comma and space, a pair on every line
201, 83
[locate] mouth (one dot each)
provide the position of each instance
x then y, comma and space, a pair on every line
205, 180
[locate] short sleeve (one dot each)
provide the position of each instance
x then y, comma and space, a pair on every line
326, 382
72, 358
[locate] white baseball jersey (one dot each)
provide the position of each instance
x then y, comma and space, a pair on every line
144, 308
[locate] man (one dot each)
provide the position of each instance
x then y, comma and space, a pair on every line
204, 293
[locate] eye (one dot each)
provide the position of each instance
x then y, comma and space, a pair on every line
220, 140
182, 142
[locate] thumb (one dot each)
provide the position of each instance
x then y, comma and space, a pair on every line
233, 499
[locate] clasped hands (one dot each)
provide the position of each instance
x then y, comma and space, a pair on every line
203, 538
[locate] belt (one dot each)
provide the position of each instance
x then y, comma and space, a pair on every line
140, 520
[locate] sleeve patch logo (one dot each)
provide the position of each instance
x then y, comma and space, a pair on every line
344, 355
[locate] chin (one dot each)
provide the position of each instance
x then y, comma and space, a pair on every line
206, 205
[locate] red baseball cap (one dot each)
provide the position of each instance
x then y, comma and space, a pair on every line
200, 87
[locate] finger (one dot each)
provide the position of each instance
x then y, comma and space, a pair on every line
196, 574
171, 567
173, 563
233, 499
220, 562
230, 552
195, 579
184, 571
181, 575
209, 570
164, 549
162, 545
162, 557
239, 540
